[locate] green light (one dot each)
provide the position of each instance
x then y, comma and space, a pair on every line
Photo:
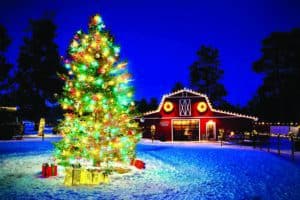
99, 81
83, 68
94, 64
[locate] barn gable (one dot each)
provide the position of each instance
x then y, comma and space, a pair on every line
188, 103
186, 115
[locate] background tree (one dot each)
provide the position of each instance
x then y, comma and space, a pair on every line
153, 104
177, 86
38, 65
279, 96
205, 75
144, 106
5, 67
99, 124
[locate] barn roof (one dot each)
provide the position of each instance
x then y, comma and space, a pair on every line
194, 93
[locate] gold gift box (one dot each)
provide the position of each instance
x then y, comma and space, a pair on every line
86, 177
68, 177
81, 176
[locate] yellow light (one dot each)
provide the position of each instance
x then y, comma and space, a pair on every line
202, 106
111, 59
210, 122
121, 65
168, 106
74, 44
94, 44
77, 93
8, 108
129, 94
105, 52
97, 125
99, 96
84, 140
88, 58
81, 77
90, 79
111, 83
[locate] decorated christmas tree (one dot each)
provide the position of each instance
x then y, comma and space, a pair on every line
98, 124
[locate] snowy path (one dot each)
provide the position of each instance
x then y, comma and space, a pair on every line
173, 171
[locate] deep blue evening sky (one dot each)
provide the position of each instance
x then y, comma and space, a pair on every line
160, 38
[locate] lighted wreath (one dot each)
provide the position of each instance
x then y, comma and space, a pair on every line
202, 107
168, 106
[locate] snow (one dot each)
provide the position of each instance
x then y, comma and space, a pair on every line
173, 171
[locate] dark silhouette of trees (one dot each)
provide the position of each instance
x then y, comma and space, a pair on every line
5, 67
38, 65
177, 86
279, 96
205, 75
144, 106
153, 104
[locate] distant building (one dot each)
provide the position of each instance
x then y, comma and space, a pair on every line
186, 115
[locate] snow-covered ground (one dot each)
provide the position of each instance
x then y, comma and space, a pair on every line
173, 171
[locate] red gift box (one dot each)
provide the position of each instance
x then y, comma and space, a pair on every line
138, 164
45, 170
49, 170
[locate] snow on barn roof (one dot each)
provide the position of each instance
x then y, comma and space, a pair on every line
207, 100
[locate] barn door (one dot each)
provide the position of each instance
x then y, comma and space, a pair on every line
211, 130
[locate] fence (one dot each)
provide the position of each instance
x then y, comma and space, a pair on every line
270, 142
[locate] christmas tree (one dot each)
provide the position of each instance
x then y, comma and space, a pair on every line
99, 124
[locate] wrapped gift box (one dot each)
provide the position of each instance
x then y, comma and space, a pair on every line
76, 176
98, 177
48, 170
45, 173
86, 177
68, 176
138, 164
81, 176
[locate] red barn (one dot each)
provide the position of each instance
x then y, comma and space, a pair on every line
186, 115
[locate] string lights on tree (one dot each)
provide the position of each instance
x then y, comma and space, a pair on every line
99, 124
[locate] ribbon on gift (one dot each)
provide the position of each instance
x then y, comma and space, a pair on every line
53, 170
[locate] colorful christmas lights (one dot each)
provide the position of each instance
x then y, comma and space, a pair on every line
99, 124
